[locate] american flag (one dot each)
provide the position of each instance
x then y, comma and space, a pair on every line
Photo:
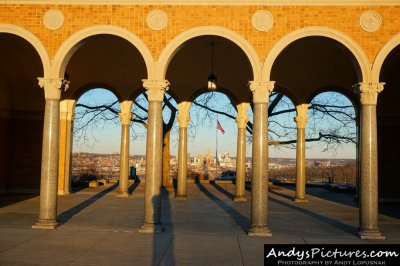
219, 127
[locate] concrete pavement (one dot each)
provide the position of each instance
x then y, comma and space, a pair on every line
207, 229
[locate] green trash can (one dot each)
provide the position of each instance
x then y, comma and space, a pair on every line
132, 174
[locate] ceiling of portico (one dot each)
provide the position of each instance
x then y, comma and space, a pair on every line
105, 61
312, 63
190, 67
20, 66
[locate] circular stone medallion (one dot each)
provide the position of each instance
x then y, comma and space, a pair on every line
262, 20
157, 19
370, 21
53, 19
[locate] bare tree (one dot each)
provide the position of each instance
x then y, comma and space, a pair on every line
90, 118
332, 120
282, 129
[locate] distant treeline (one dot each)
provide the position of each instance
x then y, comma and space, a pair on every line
337, 174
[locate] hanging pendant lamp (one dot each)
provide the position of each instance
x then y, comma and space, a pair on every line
212, 79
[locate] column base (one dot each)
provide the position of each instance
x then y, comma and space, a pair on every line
239, 198
181, 197
151, 228
122, 195
45, 224
259, 231
296, 199
371, 235
63, 192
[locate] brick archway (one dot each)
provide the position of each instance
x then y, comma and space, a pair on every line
69, 47
173, 47
336, 35
33, 40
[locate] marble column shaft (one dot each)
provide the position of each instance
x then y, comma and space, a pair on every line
68, 154
50, 153
301, 122
183, 119
241, 166
125, 116
241, 121
124, 162
358, 163
259, 182
154, 143
369, 162
182, 163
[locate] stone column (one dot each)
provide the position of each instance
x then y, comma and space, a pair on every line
369, 162
49, 173
358, 171
66, 125
154, 142
125, 116
241, 120
301, 121
183, 119
259, 182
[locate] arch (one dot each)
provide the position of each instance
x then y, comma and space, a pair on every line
288, 93
33, 40
345, 40
74, 42
173, 47
76, 95
221, 90
382, 55
338, 89
229, 96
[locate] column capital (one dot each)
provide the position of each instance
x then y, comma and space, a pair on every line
155, 89
183, 120
125, 118
301, 119
184, 107
242, 117
125, 115
261, 90
369, 92
126, 106
52, 87
183, 117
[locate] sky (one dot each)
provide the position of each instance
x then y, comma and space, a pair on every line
104, 137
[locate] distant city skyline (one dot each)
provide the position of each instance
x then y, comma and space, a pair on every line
107, 138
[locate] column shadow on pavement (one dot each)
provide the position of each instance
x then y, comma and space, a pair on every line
239, 218
339, 225
281, 194
133, 187
167, 257
68, 214
324, 193
223, 191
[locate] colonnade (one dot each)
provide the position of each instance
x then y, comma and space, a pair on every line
259, 195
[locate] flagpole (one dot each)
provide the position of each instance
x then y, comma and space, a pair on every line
216, 148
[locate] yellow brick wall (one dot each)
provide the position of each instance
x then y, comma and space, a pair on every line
181, 18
